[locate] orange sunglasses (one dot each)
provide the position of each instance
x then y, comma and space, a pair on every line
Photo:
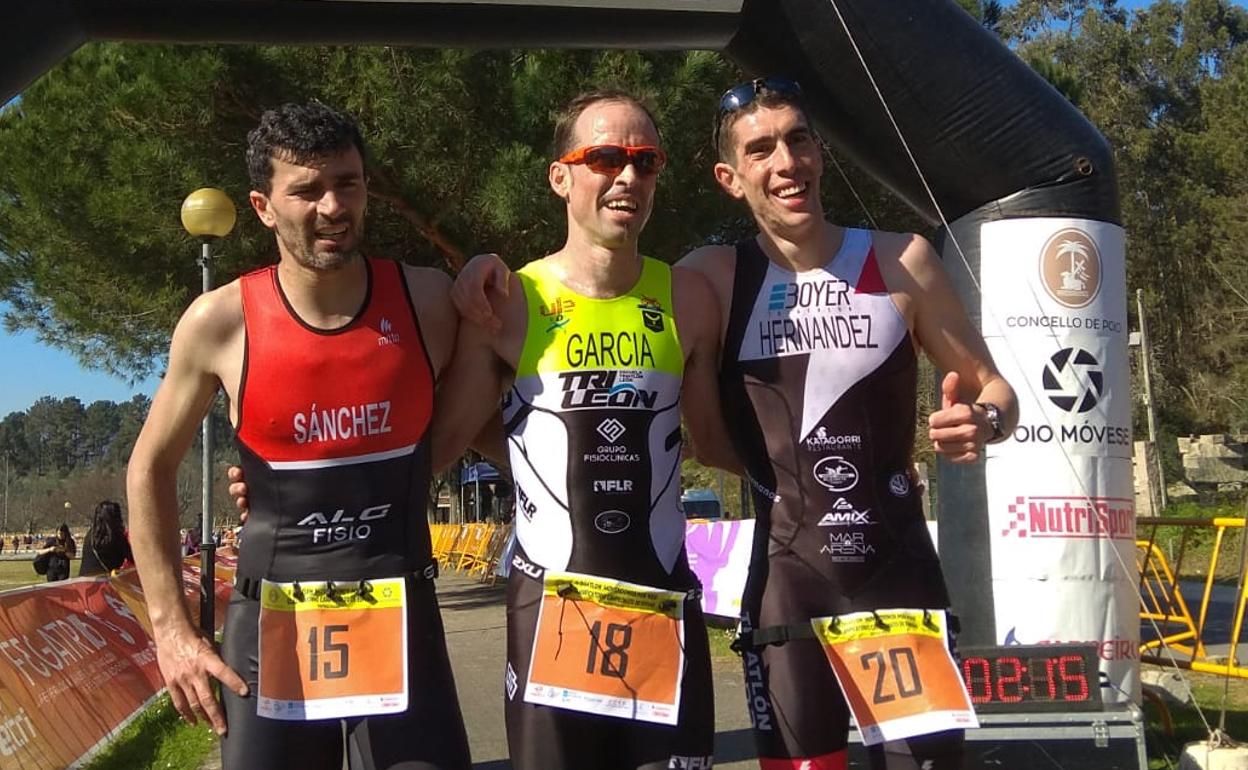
612, 158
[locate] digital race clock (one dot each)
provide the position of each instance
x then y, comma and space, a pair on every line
1037, 677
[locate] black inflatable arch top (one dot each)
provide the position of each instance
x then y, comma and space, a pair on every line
992, 138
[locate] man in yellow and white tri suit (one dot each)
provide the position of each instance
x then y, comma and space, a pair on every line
607, 658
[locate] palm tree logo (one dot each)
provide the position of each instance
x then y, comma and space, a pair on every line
1070, 268
1075, 278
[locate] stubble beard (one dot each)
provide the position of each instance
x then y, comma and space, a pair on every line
303, 249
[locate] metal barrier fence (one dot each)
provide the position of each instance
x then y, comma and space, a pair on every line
1209, 641
470, 549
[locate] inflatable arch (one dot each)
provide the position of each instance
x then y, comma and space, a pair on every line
1038, 540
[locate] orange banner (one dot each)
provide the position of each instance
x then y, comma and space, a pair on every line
77, 663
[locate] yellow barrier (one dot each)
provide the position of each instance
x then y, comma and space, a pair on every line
472, 549
1162, 603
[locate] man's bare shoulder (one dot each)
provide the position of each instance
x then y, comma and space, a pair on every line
427, 284
905, 257
690, 286
215, 316
896, 246
712, 259
695, 306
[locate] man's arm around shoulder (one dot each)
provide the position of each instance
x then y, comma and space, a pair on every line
430, 292
698, 322
468, 394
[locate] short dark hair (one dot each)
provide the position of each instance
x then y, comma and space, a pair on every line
300, 133
764, 98
565, 122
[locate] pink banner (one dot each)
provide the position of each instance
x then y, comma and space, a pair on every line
719, 553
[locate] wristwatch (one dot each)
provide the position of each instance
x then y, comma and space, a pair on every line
994, 419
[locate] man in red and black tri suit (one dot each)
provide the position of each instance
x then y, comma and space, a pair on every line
328, 361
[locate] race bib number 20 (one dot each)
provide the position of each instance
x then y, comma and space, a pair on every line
608, 647
327, 654
896, 672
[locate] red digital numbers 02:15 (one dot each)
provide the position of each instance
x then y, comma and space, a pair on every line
1048, 677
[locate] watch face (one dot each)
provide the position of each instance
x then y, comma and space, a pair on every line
994, 418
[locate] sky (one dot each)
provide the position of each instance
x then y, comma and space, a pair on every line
30, 369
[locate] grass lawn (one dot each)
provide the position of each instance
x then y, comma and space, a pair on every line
19, 573
157, 740
1164, 750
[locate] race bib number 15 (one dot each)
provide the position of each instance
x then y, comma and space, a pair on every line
330, 654
608, 647
896, 672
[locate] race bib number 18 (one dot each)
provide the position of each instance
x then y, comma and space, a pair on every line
331, 654
608, 647
896, 672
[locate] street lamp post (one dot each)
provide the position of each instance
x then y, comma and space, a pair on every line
6, 491
207, 213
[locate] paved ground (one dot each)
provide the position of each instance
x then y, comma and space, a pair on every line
474, 617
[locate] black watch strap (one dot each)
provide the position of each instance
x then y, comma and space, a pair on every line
993, 414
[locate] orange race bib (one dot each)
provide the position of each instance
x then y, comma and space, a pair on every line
326, 654
608, 647
896, 672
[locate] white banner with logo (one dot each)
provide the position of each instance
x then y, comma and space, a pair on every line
1060, 496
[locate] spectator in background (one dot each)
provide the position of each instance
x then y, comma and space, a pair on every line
106, 546
56, 554
190, 541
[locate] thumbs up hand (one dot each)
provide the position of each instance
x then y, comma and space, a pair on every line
958, 430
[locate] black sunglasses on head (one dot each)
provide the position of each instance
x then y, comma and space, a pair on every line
744, 94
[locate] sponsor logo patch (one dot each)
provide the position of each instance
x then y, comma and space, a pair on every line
526, 566
611, 429
845, 515
836, 473
613, 486
690, 763
513, 682
651, 314
612, 522
899, 484
340, 525
596, 389
822, 442
388, 335
557, 313
527, 507
847, 547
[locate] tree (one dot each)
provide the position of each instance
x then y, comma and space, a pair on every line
99, 425
99, 153
97, 156
1165, 85
13, 443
